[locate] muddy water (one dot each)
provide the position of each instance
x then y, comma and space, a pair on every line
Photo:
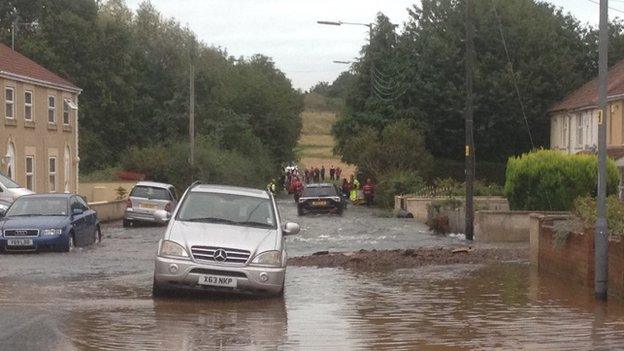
100, 299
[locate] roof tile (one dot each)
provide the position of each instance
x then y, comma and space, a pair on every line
18, 64
587, 94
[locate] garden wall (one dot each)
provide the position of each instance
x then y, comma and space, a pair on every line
103, 191
573, 258
109, 210
418, 206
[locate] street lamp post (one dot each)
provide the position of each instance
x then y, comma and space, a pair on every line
370, 39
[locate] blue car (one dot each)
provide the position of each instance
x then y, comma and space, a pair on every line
48, 222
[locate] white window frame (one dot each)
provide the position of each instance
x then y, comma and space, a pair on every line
9, 102
31, 104
52, 109
66, 112
30, 174
579, 128
52, 174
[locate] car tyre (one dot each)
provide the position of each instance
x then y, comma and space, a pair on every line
299, 211
158, 291
98, 235
127, 223
70, 245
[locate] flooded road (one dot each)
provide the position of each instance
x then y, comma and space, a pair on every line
100, 299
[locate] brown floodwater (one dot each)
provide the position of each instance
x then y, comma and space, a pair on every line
503, 306
100, 299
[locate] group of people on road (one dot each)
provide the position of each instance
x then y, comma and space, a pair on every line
317, 175
354, 190
293, 181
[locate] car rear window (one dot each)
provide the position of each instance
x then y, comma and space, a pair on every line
7, 182
150, 192
319, 191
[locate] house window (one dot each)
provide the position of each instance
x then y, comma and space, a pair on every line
65, 112
30, 172
9, 99
564, 130
579, 129
52, 174
51, 109
28, 104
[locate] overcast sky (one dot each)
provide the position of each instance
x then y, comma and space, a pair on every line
286, 30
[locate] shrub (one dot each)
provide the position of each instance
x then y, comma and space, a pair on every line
550, 180
585, 210
485, 171
397, 183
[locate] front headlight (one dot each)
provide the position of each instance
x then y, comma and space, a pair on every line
52, 232
170, 248
268, 258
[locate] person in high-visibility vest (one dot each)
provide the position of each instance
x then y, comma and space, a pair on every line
354, 189
272, 187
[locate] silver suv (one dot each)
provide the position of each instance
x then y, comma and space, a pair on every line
223, 238
145, 199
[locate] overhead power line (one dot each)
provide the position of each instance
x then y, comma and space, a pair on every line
513, 74
611, 8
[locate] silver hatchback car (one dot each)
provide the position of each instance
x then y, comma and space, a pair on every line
225, 239
145, 199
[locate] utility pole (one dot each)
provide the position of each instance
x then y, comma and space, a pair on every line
370, 50
192, 115
601, 240
470, 156
13, 29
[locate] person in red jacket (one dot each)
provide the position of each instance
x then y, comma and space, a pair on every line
297, 187
369, 192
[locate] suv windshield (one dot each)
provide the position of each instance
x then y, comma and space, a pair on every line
319, 191
150, 192
38, 206
227, 209
7, 182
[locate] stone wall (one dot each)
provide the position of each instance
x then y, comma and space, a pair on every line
103, 191
109, 210
418, 206
506, 226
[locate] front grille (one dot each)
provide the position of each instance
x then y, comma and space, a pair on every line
217, 272
21, 232
207, 253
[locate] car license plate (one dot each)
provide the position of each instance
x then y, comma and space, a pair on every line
144, 205
319, 203
19, 242
216, 280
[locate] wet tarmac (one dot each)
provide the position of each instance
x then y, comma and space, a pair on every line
100, 299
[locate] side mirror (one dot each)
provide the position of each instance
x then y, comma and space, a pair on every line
77, 211
2, 212
161, 216
291, 228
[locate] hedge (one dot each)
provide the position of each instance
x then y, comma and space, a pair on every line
549, 180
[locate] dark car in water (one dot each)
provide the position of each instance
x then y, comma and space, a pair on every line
321, 197
48, 222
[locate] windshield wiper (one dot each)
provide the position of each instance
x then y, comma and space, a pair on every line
210, 220
254, 224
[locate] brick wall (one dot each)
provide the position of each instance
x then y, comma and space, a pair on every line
574, 259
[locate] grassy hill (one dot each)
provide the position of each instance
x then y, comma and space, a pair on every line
315, 147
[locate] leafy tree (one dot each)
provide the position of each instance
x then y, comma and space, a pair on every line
134, 72
398, 147
418, 75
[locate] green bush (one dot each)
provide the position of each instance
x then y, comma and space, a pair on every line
449, 187
485, 171
585, 210
397, 183
168, 162
549, 180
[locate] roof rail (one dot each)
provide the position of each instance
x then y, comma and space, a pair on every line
194, 184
